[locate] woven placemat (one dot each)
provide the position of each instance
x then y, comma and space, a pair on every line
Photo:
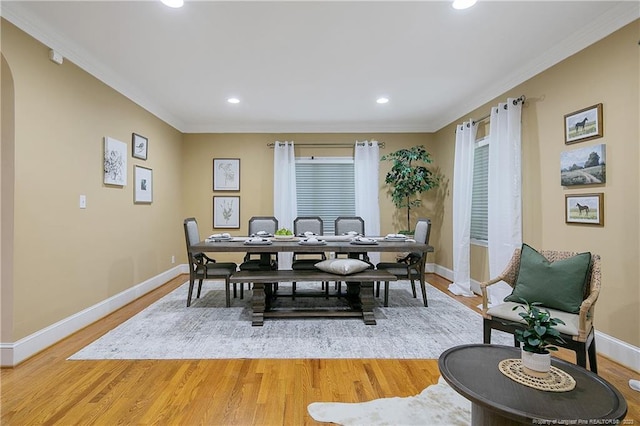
556, 381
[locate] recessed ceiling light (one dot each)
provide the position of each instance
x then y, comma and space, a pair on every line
233, 100
173, 3
382, 100
463, 4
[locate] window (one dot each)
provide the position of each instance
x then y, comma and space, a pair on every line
325, 187
480, 196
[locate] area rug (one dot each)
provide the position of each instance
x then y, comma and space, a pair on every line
167, 329
436, 405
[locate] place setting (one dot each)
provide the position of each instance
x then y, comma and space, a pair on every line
216, 238
312, 240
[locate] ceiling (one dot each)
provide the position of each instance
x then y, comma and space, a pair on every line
316, 66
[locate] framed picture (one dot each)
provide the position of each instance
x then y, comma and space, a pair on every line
143, 192
115, 162
139, 146
583, 166
585, 209
226, 174
226, 212
583, 125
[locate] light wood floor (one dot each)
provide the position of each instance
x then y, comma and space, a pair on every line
48, 389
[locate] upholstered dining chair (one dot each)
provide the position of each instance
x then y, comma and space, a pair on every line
306, 261
202, 267
568, 290
412, 266
344, 225
254, 261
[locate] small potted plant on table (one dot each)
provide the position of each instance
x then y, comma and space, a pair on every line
537, 338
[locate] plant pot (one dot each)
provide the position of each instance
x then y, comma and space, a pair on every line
537, 365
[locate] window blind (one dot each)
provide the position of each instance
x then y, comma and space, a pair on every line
325, 188
480, 197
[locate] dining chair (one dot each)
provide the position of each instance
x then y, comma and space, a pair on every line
257, 261
306, 261
412, 266
344, 225
202, 267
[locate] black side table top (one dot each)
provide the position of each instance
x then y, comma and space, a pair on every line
472, 371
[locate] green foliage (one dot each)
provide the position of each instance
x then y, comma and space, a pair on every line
539, 335
593, 160
408, 179
284, 231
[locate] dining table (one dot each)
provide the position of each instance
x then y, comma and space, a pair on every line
268, 245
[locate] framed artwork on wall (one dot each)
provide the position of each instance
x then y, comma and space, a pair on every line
115, 162
226, 174
226, 212
583, 166
139, 146
583, 125
586, 209
143, 191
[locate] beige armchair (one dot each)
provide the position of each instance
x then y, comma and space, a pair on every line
578, 331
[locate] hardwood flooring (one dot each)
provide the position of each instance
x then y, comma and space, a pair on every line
48, 389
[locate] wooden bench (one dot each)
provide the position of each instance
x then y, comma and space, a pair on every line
359, 292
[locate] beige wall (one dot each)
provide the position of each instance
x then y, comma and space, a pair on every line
68, 259
607, 72
256, 173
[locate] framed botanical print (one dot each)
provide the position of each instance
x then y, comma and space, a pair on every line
226, 212
115, 162
226, 174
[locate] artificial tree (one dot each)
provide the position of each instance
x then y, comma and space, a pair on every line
409, 178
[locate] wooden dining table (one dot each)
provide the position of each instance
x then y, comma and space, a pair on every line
359, 293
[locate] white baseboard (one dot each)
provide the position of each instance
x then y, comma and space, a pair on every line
12, 354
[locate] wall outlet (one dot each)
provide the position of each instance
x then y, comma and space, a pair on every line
173, 260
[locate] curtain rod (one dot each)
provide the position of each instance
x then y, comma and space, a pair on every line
327, 145
486, 117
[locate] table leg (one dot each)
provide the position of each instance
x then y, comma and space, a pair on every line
367, 301
481, 416
258, 304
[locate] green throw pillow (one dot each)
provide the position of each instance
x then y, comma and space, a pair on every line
556, 285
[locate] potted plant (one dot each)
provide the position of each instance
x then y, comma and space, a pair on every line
537, 338
409, 178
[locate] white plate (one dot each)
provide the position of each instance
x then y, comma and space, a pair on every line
285, 238
395, 239
365, 243
219, 240
312, 243
258, 243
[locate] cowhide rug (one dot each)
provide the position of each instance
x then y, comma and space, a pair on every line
436, 405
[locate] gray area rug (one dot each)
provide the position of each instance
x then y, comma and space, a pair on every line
207, 330
438, 404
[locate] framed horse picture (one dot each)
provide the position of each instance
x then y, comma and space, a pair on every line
586, 209
583, 125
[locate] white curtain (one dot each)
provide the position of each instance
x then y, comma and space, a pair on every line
366, 166
285, 205
505, 188
462, 189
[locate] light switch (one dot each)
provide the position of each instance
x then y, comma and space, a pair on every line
83, 201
